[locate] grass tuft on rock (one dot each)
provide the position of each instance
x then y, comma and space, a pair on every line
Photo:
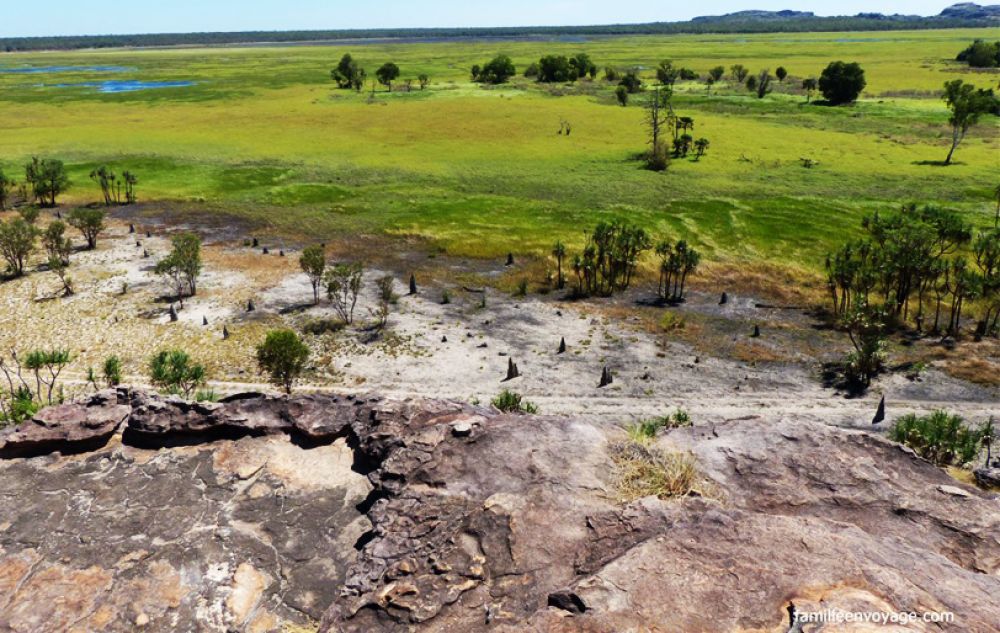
644, 471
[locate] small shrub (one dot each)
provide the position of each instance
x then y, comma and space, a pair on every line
642, 432
916, 370
386, 299
866, 327
522, 288
658, 159
445, 297
940, 437
681, 418
112, 371
174, 372
29, 214
20, 406
47, 365
671, 321
510, 402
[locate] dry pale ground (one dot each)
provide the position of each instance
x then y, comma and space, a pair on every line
457, 350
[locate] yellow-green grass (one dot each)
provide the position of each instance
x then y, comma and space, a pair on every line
264, 135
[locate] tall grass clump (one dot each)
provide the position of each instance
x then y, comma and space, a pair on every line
510, 402
644, 471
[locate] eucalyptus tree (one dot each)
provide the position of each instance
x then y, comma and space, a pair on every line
967, 104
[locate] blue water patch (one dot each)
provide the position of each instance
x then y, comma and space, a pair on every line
41, 70
127, 86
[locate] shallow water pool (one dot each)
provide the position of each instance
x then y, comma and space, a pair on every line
127, 86
41, 70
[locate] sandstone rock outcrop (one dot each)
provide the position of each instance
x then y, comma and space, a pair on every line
367, 514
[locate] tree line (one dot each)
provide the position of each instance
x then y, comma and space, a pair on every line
860, 22
610, 259
45, 179
920, 266
32, 381
349, 75
981, 54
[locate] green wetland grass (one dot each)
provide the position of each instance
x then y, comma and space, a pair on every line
263, 135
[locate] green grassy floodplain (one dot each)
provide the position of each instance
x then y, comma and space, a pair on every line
264, 135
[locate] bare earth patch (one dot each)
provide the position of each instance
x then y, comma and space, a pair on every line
705, 362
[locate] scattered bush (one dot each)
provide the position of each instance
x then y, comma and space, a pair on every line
981, 54
677, 262
386, 297
283, 357
343, 283
183, 265
348, 74
510, 402
112, 371
621, 95
632, 82
497, 71
6, 186
90, 223
904, 262
22, 399
46, 365
313, 264
671, 321
17, 407
556, 69
17, 243
47, 178
112, 186
55, 242
29, 214
386, 74
175, 373
842, 82
941, 438
865, 325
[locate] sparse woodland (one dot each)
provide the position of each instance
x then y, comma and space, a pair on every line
923, 270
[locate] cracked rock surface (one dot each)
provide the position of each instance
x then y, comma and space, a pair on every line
129, 512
